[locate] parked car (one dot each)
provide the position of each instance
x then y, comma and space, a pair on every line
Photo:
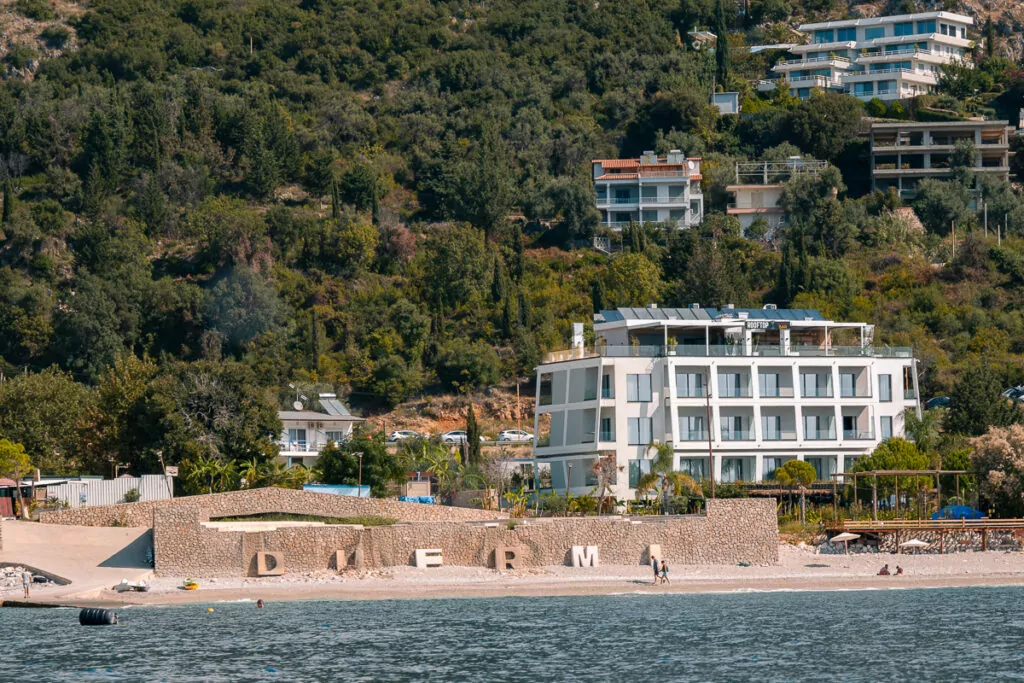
401, 434
456, 436
515, 435
937, 402
1015, 393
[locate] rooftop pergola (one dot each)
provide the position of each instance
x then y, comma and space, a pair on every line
896, 474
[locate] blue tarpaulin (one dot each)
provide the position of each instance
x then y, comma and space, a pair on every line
427, 500
958, 512
338, 490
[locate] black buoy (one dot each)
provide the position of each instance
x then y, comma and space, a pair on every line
96, 616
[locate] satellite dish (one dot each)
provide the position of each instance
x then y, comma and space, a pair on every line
297, 405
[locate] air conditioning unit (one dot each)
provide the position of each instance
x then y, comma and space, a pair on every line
694, 307
769, 307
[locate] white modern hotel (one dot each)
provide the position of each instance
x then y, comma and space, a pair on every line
778, 384
890, 58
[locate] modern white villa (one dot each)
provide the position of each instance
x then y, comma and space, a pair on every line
650, 189
755, 387
890, 58
306, 432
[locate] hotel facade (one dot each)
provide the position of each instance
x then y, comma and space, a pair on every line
746, 389
890, 58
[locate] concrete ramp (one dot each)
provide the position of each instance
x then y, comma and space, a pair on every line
91, 558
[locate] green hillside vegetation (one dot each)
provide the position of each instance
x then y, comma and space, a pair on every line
207, 200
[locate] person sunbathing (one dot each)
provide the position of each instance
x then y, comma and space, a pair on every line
884, 571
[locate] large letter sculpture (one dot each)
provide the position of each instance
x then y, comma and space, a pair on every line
428, 557
269, 564
584, 556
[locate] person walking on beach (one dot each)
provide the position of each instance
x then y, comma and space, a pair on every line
26, 580
654, 561
664, 572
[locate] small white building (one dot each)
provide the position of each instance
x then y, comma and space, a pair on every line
751, 387
759, 186
307, 432
650, 189
890, 58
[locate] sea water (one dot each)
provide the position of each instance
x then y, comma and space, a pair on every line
964, 634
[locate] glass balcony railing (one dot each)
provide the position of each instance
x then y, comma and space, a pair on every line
776, 435
727, 351
859, 434
820, 435
690, 392
735, 392
909, 395
693, 435
590, 395
778, 392
821, 392
737, 435
607, 436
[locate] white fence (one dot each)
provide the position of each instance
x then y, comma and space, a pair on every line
94, 492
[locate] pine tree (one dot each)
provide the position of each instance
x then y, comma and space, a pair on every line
721, 45
473, 437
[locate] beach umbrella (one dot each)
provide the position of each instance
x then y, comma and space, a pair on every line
914, 543
845, 537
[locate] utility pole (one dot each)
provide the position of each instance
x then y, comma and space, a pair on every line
711, 456
984, 205
360, 456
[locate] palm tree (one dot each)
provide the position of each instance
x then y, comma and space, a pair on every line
661, 467
251, 471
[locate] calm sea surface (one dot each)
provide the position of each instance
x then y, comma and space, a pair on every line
971, 634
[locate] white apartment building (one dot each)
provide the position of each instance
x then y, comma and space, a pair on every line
889, 58
758, 189
307, 432
650, 189
755, 387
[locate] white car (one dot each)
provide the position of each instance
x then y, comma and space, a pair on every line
401, 434
456, 436
515, 435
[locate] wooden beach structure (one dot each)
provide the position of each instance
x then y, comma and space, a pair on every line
942, 527
895, 474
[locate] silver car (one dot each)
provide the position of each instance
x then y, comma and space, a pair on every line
401, 434
517, 435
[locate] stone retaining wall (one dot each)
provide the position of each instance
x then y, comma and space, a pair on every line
732, 531
257, 501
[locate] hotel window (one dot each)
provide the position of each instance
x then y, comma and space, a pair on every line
733, 470
638, 388
649, 192
847, 384
771, 426
874, 32
926, 26
695, 467
908, 383
770, 384
606, 386
817, 385
638, 468
336, 437
690, 385
691, 428
905, 29
606, 429
639, 430
885, 388
297, 439
732, 428
770, 465
824, 36
864, 88
963, 32
846, 34
886, 427
650, 216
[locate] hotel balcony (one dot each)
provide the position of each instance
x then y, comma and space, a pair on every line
912, 75
301, 446
797, 64
779, 435
929, 56
820, 435
728, 351
858, 435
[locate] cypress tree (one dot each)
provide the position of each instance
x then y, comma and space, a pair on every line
472, 437
499, 286
8, 201
990, 39
335, 200
518, 254
597, 295
721, 45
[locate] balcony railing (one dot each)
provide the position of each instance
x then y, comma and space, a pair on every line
821, 435
816, 392
590, 395
691, 392
607, 436
847, 393
859, 434
730, 350
775, 435
909, 395
693, 435
737, 435
813, 60
616, 201
301, 446
781, 392
735, 392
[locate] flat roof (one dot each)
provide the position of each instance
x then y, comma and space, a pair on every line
313, 415
903, 125
892, 19
708, 314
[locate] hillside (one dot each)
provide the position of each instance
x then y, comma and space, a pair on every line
204, 202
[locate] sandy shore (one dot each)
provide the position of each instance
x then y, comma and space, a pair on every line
798, 569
